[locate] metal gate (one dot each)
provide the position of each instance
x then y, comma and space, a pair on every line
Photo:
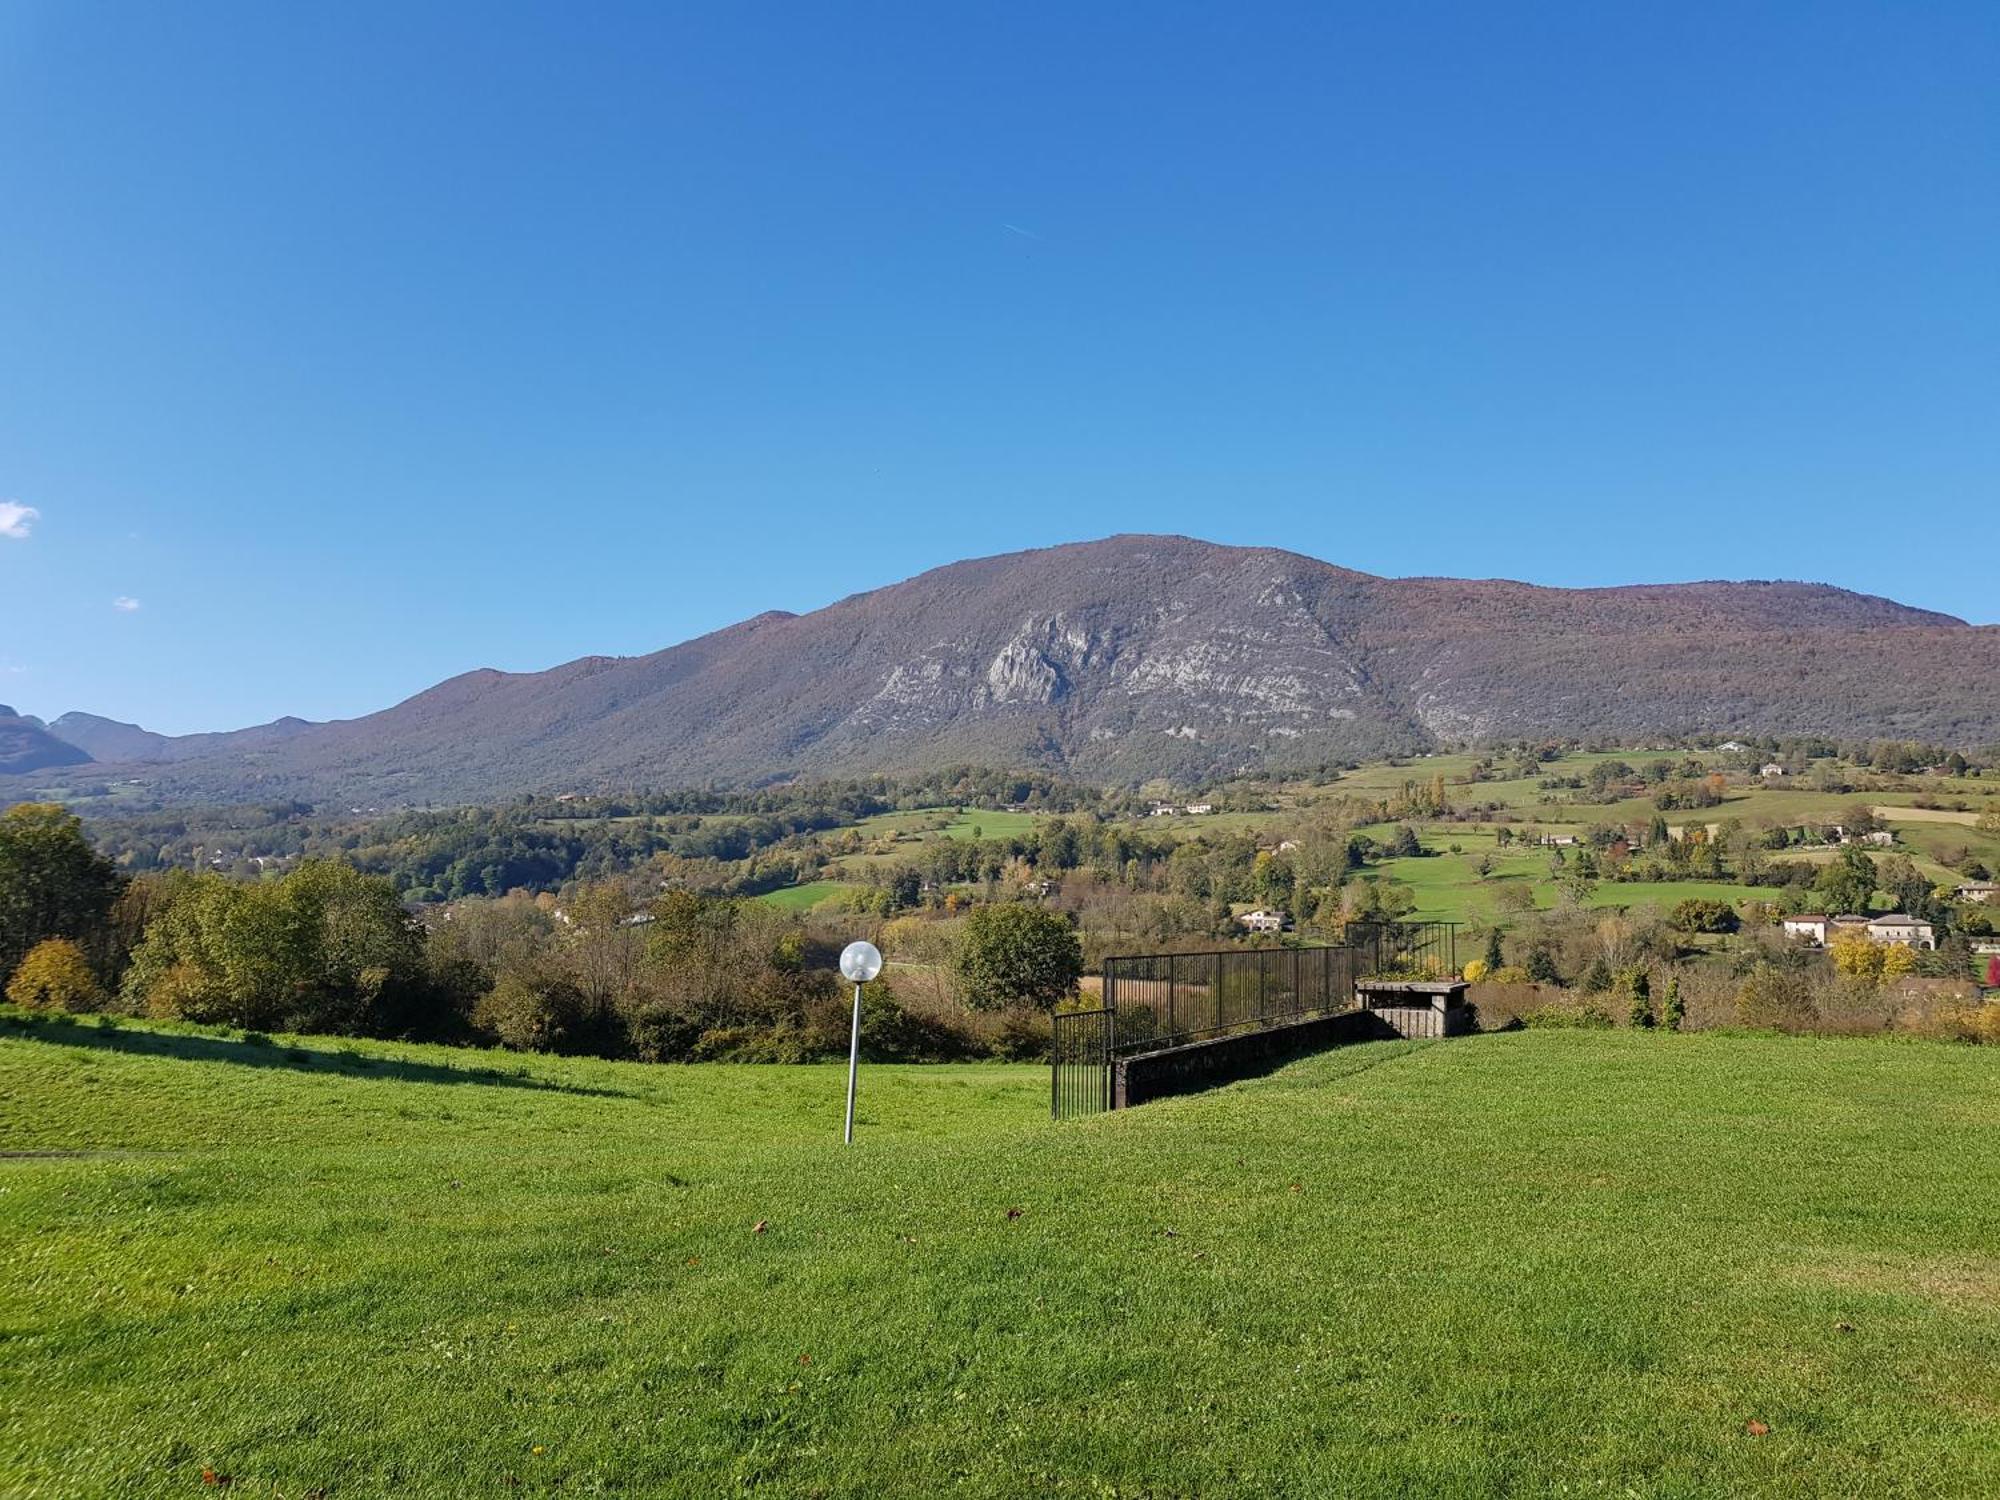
1080, 1071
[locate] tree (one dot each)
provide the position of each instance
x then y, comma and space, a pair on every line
1855, 957
1699, 915
324, 948
1495, 959
1673, 1010
1899, 960
56, 976
1542, 965
1640, 988
52, 883
1017, 954
1849, 882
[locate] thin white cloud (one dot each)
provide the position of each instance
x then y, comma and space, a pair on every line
125, 604
1026, 234
17, 520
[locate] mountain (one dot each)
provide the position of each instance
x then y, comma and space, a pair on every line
1139, 656
26, 745
112, 741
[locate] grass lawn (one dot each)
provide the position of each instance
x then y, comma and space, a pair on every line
1536, 1263
805, 897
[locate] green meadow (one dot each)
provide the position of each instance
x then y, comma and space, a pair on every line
1530, 1264
805, 897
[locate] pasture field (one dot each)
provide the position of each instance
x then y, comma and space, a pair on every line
1533, 1263
805, 897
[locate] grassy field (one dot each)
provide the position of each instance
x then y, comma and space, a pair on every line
1527, 1264
805, 897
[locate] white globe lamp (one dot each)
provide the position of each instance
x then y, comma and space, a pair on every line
859, 962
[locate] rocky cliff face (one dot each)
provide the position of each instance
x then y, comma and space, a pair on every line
1141, 656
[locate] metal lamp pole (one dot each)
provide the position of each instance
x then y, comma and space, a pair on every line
860, 962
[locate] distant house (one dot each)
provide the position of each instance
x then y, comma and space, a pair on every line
1043, 888
1978, 890
1196, 809
1810, 926
1733, 747
1848, 923
1161, 810
1261, 920
1557, 840
1881, 838
1773, 769
1897, 928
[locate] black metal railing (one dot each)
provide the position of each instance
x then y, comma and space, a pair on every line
1165, 999
1158, 1000
1080, 1062
1426, 950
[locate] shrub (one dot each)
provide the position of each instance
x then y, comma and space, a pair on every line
1477, 970
1023, 1035
56, 976
1774, 998
530, 1011
1582, 1017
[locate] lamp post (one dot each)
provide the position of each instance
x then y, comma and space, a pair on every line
860, 962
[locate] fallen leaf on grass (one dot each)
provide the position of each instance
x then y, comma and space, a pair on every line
1843, 1326
805, 1359
760, 1226
1756, 1428
219, 1481
1015, 1213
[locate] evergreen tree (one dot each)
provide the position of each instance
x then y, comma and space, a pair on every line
1542, 965
1494, 960
1640, 987
1673, 1014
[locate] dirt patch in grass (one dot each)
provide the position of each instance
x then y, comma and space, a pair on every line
1965, 1282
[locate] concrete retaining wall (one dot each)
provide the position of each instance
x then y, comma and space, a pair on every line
1199, 1065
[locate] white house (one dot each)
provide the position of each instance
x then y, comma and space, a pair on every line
1897, 928
1196, 809
1978, 890
1773, 769
1810, 926
1261, 920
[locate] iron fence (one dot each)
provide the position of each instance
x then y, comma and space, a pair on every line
1165, 999
1428, 949
1080, 1046
1158, 1000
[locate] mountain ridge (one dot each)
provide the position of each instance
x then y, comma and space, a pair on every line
1130, 657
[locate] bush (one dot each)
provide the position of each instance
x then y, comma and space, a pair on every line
1776, 999
56, 976
529, 1011
1582, 1017
1023, 1035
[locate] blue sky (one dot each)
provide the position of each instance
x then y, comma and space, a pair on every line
361, 345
